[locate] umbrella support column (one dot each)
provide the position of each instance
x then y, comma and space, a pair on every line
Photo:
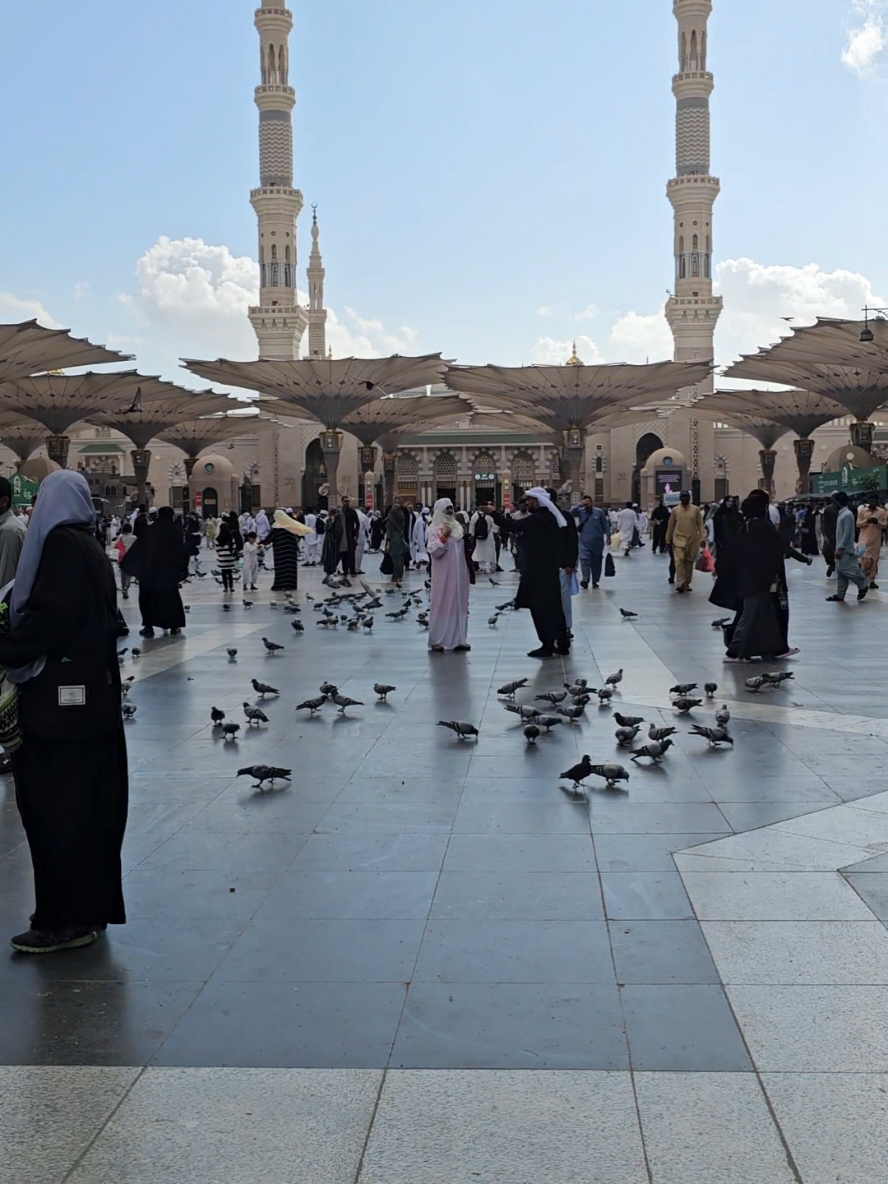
141, 458
804, 450
768, 459
331, 445
57, 449
862, 435
388, 464
573, 453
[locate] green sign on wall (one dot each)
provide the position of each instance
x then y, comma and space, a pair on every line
850, 480
24, 490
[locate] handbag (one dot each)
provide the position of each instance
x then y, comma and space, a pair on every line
387, 567
609, 567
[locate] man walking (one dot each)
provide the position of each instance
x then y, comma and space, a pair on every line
594, 530
871, 522
660, 520
684, 535
847, 567
347, 528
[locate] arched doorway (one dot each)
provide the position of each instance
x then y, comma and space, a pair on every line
209, 502
647, 445
523, 475
446, 477
407, 477
314, 477
484, 483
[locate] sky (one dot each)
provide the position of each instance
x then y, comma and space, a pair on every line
490, 176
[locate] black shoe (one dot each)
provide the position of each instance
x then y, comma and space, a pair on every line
542, 652
874, 587
830, 569
37, 941
146, 632
585, 584
594, 586
175, 632
861, 595
671, 581
837, 599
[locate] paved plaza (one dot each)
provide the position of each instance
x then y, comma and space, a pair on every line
423, 962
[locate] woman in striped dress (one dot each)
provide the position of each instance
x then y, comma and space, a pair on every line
285, 535
226, 553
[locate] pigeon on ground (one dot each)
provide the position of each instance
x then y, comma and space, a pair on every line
271, 647
254, 715
627, 615
582, 700
463, 730
553, 697
368, 623
230, 731
626, 736
660, 734
264, 773
531, 733
400, 614
328, 689
655, 749
501, 608
715, 736
578, 773
308, 596
628, 721
684, 704
187, 608
248, 604
354, 625
511, 687
572, 713
232, 654
526, 711
217, 716
383, 691
576, 688
683, 688
605, 694
723, 716
423, 620
613, 680
272, 604
491, 621
495, 583
721, 622
263, 689
710, 688
343, 701
136, 652
756, 684
226, 608
121, 654
776, 677
312, 705
548, 721
611, 772
297, 626
129, 710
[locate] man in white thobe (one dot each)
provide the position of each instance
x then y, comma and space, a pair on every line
627, 523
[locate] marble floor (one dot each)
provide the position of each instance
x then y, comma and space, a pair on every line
422, 961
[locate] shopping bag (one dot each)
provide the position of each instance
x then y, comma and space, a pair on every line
609, 568
615, 540
387, 567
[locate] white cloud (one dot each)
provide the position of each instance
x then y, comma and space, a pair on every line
81, 290
13, 308
638, 338
549, 352
867, 38
546, 311
589, 313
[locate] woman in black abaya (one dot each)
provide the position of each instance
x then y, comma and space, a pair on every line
71, 768
159, 561
539, 588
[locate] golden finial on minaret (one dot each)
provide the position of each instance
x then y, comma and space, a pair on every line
574, 360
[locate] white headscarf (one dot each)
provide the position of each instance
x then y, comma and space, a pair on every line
440, 518
543, 498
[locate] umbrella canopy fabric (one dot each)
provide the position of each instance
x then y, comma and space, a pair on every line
27, 348
374, 420
192, 436
142, 425
59, 400
21, 436
567, 397
803, 412
326, 389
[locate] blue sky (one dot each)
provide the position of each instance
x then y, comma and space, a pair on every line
490, 176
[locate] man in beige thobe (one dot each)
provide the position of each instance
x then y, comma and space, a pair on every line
871, 521
684, 535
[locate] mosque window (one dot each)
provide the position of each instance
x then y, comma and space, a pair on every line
695, 243
695, 58
703, 50
282, 66
274, 252
683, 53
287, 254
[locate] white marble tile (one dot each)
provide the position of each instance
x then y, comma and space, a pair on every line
48, 1116
841, 824
774, 896
773, 848
836, 1124
821, 1029
505, 1128
709, 1128
236, 1126
799, 952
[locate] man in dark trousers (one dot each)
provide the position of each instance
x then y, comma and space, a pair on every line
660, 520
828, 520
595, 533
540, 586
347, 526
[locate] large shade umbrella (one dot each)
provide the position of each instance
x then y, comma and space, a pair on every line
326, 389
573, 398
27, 348
194, 436
829, 359
21, 436
760, 427
142, 424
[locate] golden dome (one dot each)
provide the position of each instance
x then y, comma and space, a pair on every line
573, 360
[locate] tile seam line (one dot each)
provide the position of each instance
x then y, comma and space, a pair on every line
103, 1126
376, 1104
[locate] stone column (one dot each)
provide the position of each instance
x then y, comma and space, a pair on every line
768, 459
804, 450
862, 435
388, 466
331, 446
57, 449
141, 458
573, 454
189, 463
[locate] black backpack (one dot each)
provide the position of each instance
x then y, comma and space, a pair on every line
481, 527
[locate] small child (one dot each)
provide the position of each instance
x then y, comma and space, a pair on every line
251, 561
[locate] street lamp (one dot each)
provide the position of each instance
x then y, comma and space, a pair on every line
866, 333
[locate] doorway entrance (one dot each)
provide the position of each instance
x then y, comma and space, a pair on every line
314, 477
644, 450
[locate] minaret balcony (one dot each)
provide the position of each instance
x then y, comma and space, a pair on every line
275, 97
276, 199
693, 84
692, 188
278, 20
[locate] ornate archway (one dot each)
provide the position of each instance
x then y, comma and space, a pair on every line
314, 479
647, 445
523, 474
485, 487
407, 477
446, 475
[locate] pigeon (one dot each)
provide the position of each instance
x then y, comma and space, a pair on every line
495, 583
526, 711
423, 620
343, 701
354, 625
723, 716
125, 688
611, 772
400, 614
232, 654
683, 688
463, 731
226, 608
605, 694
721, 622
655, 749
548, 721
308, 597
230, 731
715, 736
217, 716
571, 713
501, 608
297, 626
756, 684
578, 773
264, 773
627, 615
129, 710
254, 715
383, 691
531, 733
121, 654
263, 689
248, 604
710, 688
576, 688
491, 621
613, 680
626, 736
582, 700
511, 687
628, 721
312, 705
187, 608
368, 623
776, 677
659, 734
684, 704
271, 647
272, 604
136, 652
553, 697
328, 689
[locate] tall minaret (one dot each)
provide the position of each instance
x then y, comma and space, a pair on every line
317, 314
278, 320
693, 311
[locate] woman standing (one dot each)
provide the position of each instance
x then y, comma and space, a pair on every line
159, 562
226, 553
285, 535
449, 565
808, 533
726, 521
396, 541
71, 768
